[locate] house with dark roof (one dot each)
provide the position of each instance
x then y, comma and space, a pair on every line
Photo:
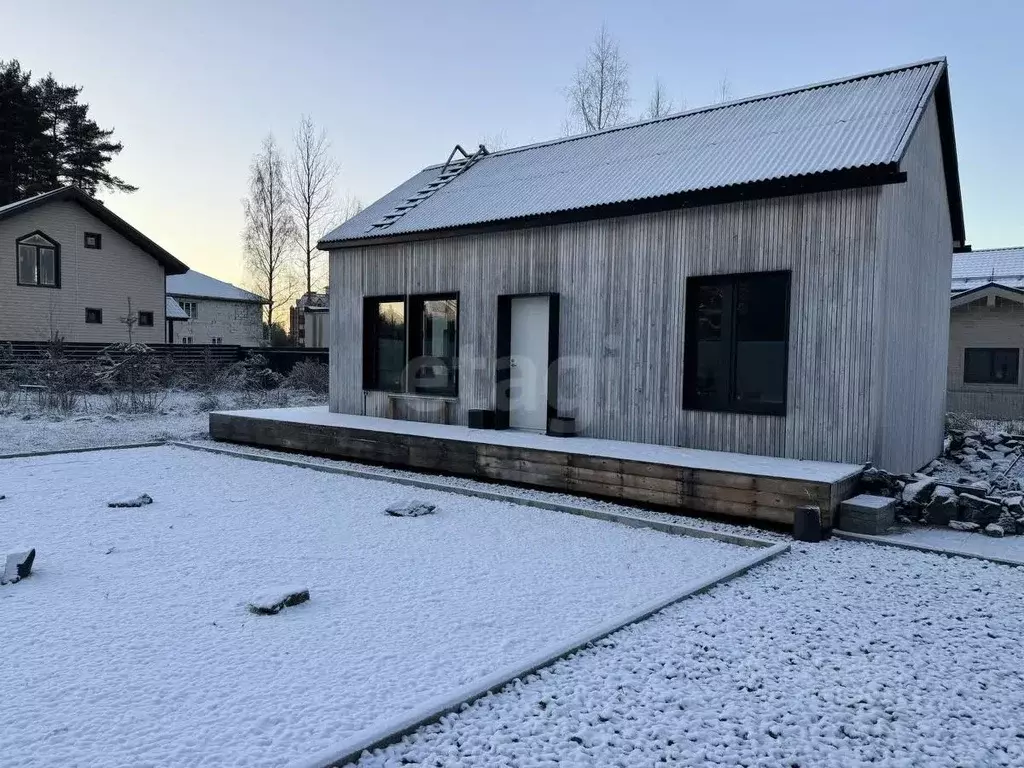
767, 276
986, 334
71, 266
213, 311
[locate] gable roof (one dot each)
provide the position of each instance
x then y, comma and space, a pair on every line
170, 264
197, 285
1000, 266
838, 134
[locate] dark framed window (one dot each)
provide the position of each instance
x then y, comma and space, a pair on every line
191, 309
434, 344
38, 260
186, 339
411, 344
991, 366
93, 315
146, 319
93, 240
384, 345
217, 340
737, 340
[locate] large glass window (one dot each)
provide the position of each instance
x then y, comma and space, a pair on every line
737, 333
435, 346
991, 366
38, 261
411, 344
384, 344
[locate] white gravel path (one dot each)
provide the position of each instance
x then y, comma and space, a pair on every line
838, 654
131, 643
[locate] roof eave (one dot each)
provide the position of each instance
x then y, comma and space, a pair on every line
848, 178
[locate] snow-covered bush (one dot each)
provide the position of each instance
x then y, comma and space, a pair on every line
254, 375
207, 374
310, 376
63, 382
132, 375
959, 422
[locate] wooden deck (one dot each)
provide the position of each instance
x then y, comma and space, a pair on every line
737, 485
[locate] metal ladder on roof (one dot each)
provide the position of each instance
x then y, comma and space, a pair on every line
452, 169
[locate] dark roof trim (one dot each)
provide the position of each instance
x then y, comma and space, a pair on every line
170, 264
947, 136
851, 178
254, 300
982, 288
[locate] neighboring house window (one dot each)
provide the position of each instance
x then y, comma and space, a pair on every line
217, 340
186, 339
38, 261
93, 240
416, 332
991, 366
191, 309
146, 319
737, 334
434, 344
93, 315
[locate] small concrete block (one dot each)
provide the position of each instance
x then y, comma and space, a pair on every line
807, 523
868, 514
18, 566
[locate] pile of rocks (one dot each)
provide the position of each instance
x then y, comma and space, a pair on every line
977, 506
980, 459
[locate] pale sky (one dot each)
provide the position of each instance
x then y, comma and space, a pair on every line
192, 87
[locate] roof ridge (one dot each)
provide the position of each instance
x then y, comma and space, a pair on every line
974, 251
713, 107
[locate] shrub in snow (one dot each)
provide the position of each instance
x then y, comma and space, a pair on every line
310, 376
17, 566
274, 601
959, 422
410, 508
136, 501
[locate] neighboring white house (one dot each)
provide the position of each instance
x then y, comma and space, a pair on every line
986, 334
70, 266
214, 312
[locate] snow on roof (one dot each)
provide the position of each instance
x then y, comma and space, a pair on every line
1003, 266
174, 311
196, 284
858, 122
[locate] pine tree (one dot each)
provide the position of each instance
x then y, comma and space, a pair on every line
47, 139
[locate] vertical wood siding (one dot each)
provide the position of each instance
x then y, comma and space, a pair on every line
855, 316
912, 307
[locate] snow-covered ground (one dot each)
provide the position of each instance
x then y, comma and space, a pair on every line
131, 643
181, 416
839, 654
1008, 548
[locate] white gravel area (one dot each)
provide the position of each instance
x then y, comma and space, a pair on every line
837, 654
1008, 547
131, 643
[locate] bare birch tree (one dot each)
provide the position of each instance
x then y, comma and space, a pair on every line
724, 89
599, 95
660, 104
312, 174
269, 228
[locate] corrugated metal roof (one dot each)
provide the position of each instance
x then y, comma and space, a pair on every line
853, 123
196, 284
1004, 266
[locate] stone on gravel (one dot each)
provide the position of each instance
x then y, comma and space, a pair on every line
277, 600
18, 566
994, 530
878, 482
1007, 522
975, 509
943, 506
961, 525
992, 438
412, 508
1004, 449
1014, 505
918, 492
137, 501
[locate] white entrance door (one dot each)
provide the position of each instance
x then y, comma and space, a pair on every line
528, 360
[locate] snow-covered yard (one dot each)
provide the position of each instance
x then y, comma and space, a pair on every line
180, 416
131, 643
838, 654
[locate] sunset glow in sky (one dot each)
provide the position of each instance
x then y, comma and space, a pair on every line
192, 87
